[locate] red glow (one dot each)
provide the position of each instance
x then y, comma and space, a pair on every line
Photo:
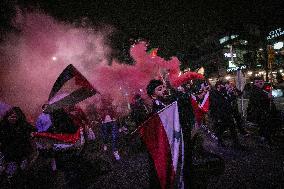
267, 88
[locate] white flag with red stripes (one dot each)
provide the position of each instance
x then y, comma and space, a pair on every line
162, 135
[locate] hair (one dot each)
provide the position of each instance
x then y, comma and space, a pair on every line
221, 82
20, 115
152, 86
258, 78
42, 107
196, 85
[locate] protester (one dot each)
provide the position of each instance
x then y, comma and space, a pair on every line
159, 95
199, 98
62, 122
43, 122
15, 142
261, 108
232, 96
162, 95
139, 110
221, 112
109, 125
80, 119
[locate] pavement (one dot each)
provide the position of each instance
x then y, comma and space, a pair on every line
254, 165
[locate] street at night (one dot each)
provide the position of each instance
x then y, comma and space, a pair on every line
127, 94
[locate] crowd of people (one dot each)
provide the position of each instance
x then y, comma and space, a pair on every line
197, 100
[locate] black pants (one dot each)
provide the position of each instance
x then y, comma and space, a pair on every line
222, 125
265, 126
239, 122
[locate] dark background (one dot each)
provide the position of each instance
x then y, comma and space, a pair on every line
177, 28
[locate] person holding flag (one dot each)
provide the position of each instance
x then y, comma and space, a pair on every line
167, 134
65, 132
199, 99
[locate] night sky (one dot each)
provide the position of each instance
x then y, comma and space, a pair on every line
173, 26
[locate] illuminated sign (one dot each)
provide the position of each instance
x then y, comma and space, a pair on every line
229, 55
226, 38
275, 33
232, 65
278, 45
236, 68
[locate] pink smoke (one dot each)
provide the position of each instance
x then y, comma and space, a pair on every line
34, 59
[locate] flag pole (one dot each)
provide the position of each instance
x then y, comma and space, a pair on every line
242, 104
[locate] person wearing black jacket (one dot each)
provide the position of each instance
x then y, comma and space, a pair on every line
162, 96
15, 140
139, 110
260, 108
232, 95
222, 113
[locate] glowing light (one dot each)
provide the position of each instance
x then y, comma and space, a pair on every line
249, 72
261, 73
201, 70
229, 55
54, 58
153, 52
280, 70
228, 77
278, 45
267, 88
277, 93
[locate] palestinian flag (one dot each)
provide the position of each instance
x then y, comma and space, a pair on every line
70, 88
162, 135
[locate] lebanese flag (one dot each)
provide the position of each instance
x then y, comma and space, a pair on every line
200, 110
162, 135
71, 87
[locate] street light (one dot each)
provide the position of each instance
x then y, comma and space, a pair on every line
249, 72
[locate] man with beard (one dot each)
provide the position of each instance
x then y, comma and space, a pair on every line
159, 94
162, 96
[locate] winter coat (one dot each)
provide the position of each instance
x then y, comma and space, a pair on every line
15, 141
220, 106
